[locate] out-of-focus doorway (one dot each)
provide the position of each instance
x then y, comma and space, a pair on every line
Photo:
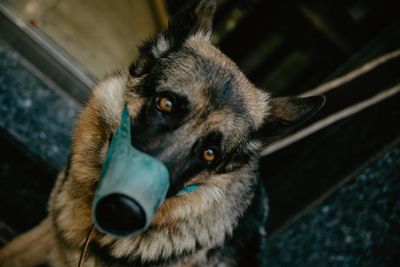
101, 35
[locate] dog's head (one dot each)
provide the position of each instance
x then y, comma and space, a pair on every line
193, 109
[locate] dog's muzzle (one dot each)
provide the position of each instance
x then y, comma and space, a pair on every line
131, 188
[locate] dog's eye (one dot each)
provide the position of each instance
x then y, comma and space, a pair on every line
209, 155
165, 104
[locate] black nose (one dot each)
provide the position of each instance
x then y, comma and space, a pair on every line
119, 215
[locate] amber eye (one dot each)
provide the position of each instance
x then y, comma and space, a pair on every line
209, 155
165, 104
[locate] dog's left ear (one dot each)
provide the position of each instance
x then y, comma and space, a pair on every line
195, 18
287, 113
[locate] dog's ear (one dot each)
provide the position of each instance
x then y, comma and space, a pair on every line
287, 113
195, 18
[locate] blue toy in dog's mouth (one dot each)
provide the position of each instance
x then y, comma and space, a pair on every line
131, 188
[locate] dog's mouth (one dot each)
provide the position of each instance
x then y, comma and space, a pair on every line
131, 187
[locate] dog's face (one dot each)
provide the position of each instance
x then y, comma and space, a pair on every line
194, 110
197, 113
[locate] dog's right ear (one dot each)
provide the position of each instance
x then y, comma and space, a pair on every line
195, 18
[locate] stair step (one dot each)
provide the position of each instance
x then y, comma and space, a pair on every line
357, 225
301, 171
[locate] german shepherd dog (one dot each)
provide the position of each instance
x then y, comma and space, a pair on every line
195, 111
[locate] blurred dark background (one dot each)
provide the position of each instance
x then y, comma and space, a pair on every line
289, 47
334, 192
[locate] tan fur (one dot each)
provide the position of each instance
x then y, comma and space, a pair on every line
31, 248
160, 47
256, 101
110, 94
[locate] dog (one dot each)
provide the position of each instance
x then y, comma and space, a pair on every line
195, 111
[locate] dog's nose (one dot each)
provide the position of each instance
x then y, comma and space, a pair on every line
119, 214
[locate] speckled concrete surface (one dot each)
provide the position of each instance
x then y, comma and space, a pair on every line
359, 225
24, 190
38, 117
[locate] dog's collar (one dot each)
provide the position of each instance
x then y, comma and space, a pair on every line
188, 189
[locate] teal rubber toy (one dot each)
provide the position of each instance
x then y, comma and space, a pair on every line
131, 188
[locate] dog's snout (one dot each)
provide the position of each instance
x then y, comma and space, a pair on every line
119, 214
